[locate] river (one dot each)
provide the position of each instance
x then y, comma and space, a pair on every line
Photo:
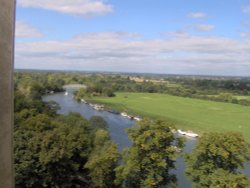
117, 129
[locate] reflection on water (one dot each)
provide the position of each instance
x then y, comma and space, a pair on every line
117, 129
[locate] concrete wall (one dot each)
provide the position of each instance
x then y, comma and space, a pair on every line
7, 17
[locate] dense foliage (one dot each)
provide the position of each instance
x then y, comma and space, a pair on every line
147, 163
53, 150
102, 161
216, 160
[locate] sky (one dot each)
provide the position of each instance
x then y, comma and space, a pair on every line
201, 37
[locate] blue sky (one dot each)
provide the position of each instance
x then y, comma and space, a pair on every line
159, 36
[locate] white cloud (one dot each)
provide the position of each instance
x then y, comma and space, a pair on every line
24, 30
246, 9
203, 27
197, 15
118, 51
245, 34
76, 7
247, 24
179, 33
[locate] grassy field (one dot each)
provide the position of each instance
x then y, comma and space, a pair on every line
188, 114
242, 97
238, 97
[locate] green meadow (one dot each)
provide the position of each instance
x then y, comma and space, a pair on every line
186, 113
242, 97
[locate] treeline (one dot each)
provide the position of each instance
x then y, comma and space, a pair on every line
241, 87
214, 90
93, 91
106, 85
34, 85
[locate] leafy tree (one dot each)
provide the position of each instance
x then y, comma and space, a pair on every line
80, 94
227, 97
216, 159
151, 157
19, 101
108, 92
102, 161
51, 152
223, 179
100, 137
245, 102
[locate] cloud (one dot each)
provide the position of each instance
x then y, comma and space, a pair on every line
197, 15
118, 51
245, 34
246, 9
179, 33
247, 24
75, 7
24, 30
203, 27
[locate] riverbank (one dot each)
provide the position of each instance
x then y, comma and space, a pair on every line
101, 107
188, 114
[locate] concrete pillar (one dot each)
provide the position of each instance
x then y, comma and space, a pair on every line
7, 21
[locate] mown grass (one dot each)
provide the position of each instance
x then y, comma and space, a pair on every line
242, 97
186, 113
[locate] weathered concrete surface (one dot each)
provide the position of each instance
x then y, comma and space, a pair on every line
7, 17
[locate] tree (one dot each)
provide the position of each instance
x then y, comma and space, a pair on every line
216, 159
51, 152
108, 92
151, 157
227, 97
80, 94
102, 160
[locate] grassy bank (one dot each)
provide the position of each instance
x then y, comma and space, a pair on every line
186, 113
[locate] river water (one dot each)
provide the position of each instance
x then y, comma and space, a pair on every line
117, 129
